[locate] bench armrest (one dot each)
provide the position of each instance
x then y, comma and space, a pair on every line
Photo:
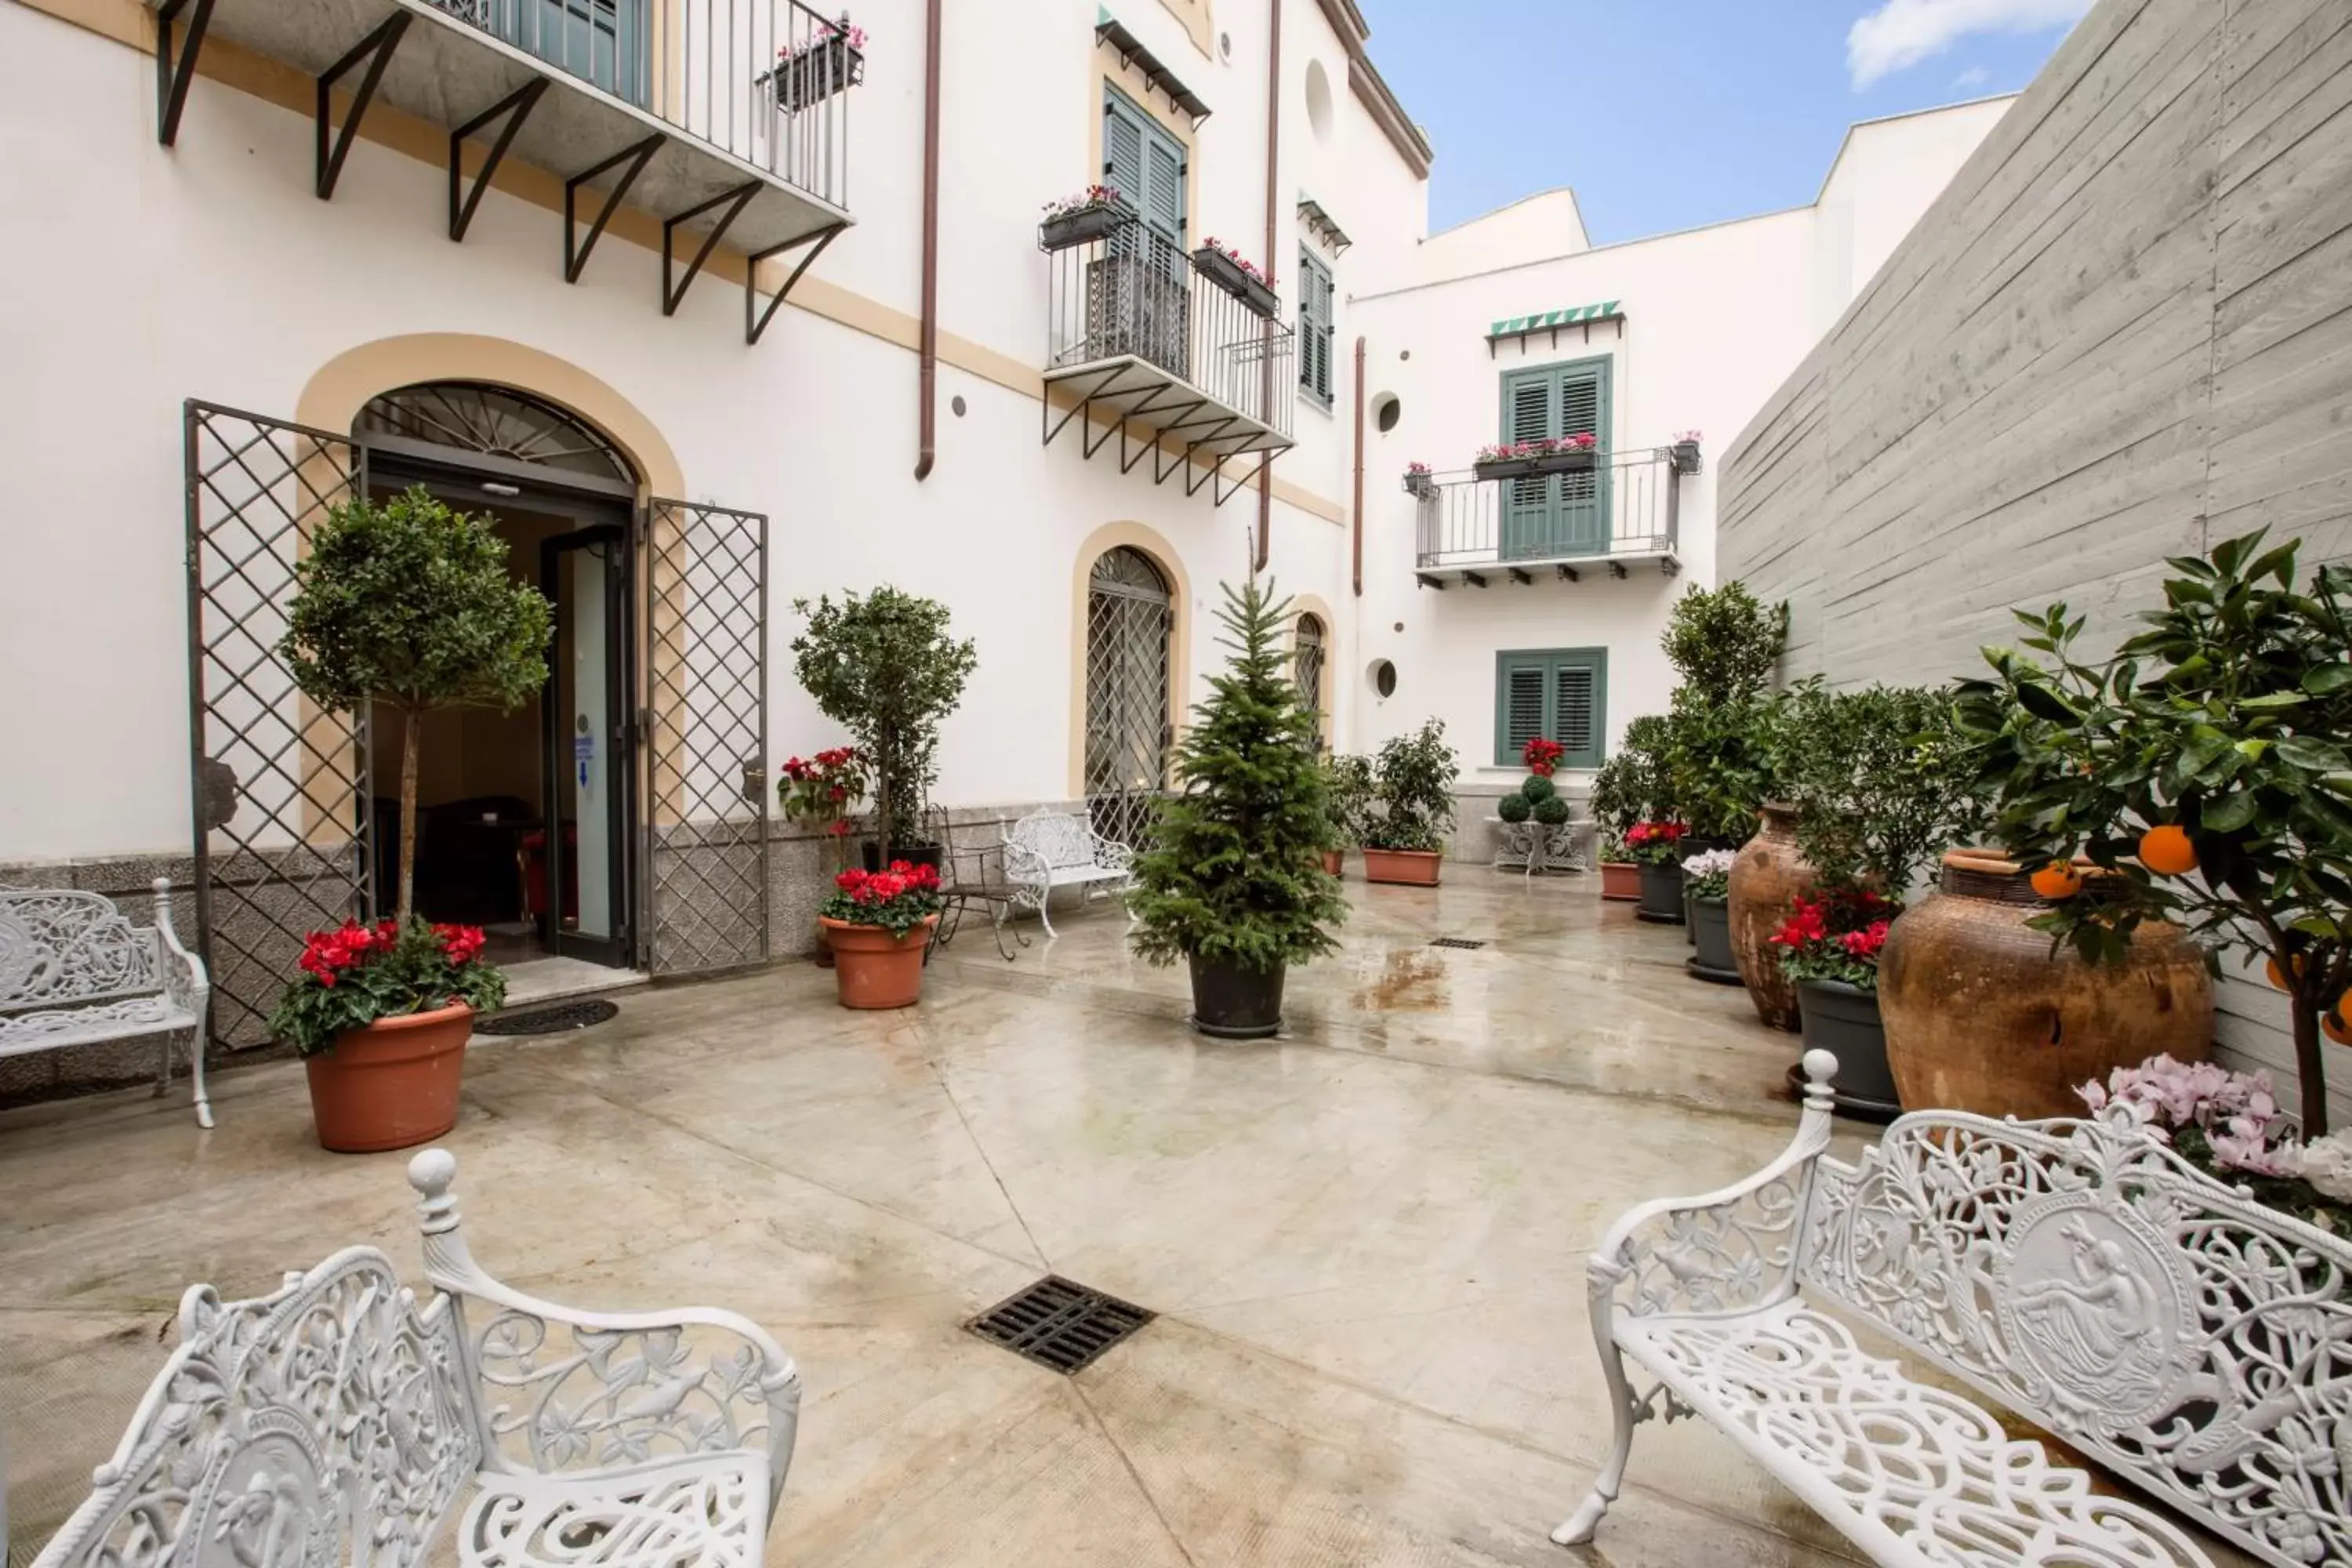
1026, 866
185, 984
1726, 1252
1110, 854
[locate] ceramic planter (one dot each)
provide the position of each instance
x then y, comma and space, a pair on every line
1844, 1020
1096, 221
1232, 1002
1621, 881
1710, 927
391, 1085
1765, 879
1983, 1015
1407, 868
873, 970
1526, 467
1662, 894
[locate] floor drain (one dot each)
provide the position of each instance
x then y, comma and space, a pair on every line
1466, 943
552, 1020
1058, 1324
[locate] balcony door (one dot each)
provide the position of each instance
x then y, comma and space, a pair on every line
603, 42
1138, 298
1553, 515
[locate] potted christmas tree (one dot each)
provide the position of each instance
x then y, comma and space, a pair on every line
1231, 879
409, 606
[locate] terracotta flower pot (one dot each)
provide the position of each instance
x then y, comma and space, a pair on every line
1768, 873
823, 956
391, 1085
1411, 867
1983, 1016
1335, 861
1621, 881
873, 969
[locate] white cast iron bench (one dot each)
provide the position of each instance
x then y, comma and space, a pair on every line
1050, 850
2191, 1342
74, 971
337, 1422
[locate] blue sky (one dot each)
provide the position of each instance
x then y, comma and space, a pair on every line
1666, 115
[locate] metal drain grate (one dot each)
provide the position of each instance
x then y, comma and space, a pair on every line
1058, 1324
552, 1020
1468, 943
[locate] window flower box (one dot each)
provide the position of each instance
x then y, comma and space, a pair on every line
1684, 452
809, 73
1526, 459
1223, 266
1094, 213
1419, 482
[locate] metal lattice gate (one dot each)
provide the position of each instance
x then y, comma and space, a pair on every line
706, 853
280, 795
1127, 611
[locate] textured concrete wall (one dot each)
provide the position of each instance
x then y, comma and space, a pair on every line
2124, 333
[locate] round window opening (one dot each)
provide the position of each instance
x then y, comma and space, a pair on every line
1319, 101
1386, 412
1225, 46
1383, 677
958, 403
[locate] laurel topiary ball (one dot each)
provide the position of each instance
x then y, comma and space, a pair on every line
1514, 809
1551, 811
1537, 788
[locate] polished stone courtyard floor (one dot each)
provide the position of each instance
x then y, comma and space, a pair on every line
1365, 1239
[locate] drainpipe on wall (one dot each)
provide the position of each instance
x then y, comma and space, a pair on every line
1356, 507
927, 354
1273, 212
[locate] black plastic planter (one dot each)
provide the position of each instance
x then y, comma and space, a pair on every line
1711, 936
1227, 274
1231, 1002
1420, 485
1097, 222
816, 73
1526, 467
1842, 1020
1685, 456
925, 855
1662, 894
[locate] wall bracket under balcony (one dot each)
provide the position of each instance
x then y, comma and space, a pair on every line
1152, 412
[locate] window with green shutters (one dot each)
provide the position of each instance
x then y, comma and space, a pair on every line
1560, 693
1145, 165
1315, 326
1555, 515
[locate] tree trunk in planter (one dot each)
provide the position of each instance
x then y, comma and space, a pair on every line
1767, 877
1844, 1020
1662, 894
1983, 1016
1233, 1003
1710, 929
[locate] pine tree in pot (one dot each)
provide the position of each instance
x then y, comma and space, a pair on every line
409, 606
1231, 879
1414, 776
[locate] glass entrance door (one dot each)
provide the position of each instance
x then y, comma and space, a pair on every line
585, 904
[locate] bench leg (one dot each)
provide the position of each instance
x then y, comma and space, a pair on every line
1581, 1525
1045, 914
197, 1072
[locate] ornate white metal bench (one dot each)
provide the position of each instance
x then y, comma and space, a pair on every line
2192, 1342
1050, 850
337, 1422
74, 971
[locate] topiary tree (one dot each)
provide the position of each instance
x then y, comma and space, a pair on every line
1515, 808
1881, 783
2204, 766
1415, 774
1632, 785
1232, 870
1724, 643
1348, 781
883, 664
409, 605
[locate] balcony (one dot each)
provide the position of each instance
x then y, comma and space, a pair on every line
726, 118
1621, 512
1171, 353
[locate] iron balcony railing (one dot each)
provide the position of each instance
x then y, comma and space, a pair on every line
766, 81
1135, 293
1627, 504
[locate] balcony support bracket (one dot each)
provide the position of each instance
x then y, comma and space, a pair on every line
755, 320
1082, 409
1424, 580
175, 69
733, 202
1617, 570
335, 146
1569, 575
576, 249
1474, 579
1216, 425
516, 107
1224, 493
1128, 460
1518, 575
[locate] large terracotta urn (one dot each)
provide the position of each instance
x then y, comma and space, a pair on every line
1981, 1015
1768, 875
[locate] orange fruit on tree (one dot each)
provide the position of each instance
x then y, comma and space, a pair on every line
2166, 850
2332, 1024
2278, 977
2057, 881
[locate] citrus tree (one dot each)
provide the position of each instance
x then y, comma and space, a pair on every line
2202, 765
883, 664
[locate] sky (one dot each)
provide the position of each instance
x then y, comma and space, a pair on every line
1666, 114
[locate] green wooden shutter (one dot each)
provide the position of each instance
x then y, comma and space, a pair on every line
1315, 301
1530, 413
1163, 186
1519, 702
1576, 698
1145, 163
1561, 694
1558, 514
1123, 149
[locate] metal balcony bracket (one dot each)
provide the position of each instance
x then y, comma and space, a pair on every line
1216, 425
1152, 405
335, 146
1473, 577
733, 202
1518, 575
515, 107
1670, 566
576, 249
1569, 574
1224, 492
1084, 406
1617, 570
1427, 580
175, 69
755, 320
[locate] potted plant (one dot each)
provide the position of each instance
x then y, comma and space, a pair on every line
1522, 460
408, 606
1230, 878
2202, 769
831, 59
1707, 890
1830, 948
1413, 778
1534, 815
821, 795
1348, 781
1092, 214
877, 924
1684, 452
1628, 787
1419, 481
2230, 1126
1236, 275
883, 666
1657, 850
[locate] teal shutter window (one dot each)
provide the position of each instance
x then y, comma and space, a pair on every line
1560, 693
1553, 516
1145, 165
1315, 326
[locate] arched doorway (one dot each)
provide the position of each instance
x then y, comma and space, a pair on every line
1129, 608
493, 421
1308, 662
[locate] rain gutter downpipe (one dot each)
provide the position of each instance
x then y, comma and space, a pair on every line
927, 352
1356, 508
1273, 214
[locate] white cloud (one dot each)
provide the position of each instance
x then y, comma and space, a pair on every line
1901, 33
1975, 76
